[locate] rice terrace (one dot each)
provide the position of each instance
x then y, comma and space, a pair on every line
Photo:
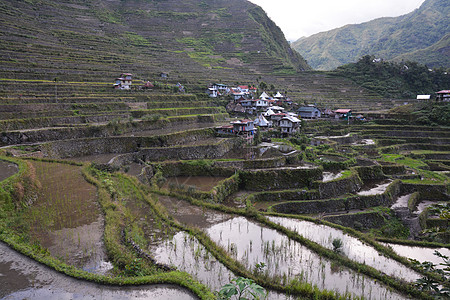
167, 150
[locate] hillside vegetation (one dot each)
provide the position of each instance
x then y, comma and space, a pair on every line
421, 35
95, 40
395, 80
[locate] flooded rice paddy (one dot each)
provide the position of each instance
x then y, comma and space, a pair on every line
351, 247
330, 176
186, 254
66, 218
202, 183
251, 243
421, 254
374, 187
7, 169
24, 278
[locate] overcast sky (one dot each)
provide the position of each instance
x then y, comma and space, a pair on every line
299, 18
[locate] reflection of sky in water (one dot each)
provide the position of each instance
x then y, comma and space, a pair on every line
421, 254
23, 278
351, 247
378, 188
187, 254
251, 244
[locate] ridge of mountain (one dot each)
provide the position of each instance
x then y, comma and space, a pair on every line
393, 38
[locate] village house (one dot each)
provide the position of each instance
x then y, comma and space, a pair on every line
423, 97
443, 95
124, 81
265, 96
343, 114
289, 125
279, 96
309, 112
275, 118
243, 88
277, 109
216, 90
244, 128
262, 122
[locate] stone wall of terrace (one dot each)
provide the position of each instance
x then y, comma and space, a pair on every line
283, 178
119, 145
210, 151
341, 204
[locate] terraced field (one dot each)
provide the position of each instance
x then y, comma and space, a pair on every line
134, 190
359, 184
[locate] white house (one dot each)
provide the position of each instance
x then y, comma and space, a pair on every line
124, 81
289, 124
212, 92
278, 96
261, 103
269, 113
265, 96
262, 122
423, 97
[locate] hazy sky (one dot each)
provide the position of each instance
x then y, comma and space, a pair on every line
299, 18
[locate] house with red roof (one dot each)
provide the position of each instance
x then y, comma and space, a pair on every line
443, 95
124, 81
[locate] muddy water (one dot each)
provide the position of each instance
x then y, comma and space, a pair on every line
66, 218
192, 215
23, 278
97, 158
202, 183
421, 254
251, 243
374, 187
7, 169
352, 247
329, 176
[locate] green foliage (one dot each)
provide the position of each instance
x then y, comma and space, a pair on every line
337, 245
394, 80
439, 289
242, 289
421, 35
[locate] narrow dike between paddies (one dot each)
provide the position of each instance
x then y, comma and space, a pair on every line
273, 256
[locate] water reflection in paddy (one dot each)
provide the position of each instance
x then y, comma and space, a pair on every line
187, 254
202, 183
24, 278
352, 247
421, 254
329, 176
374, 187
251, 243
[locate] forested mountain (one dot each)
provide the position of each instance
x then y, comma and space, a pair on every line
421, 36
393, 79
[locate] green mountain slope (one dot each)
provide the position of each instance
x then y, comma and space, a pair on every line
95, 40
388, 38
